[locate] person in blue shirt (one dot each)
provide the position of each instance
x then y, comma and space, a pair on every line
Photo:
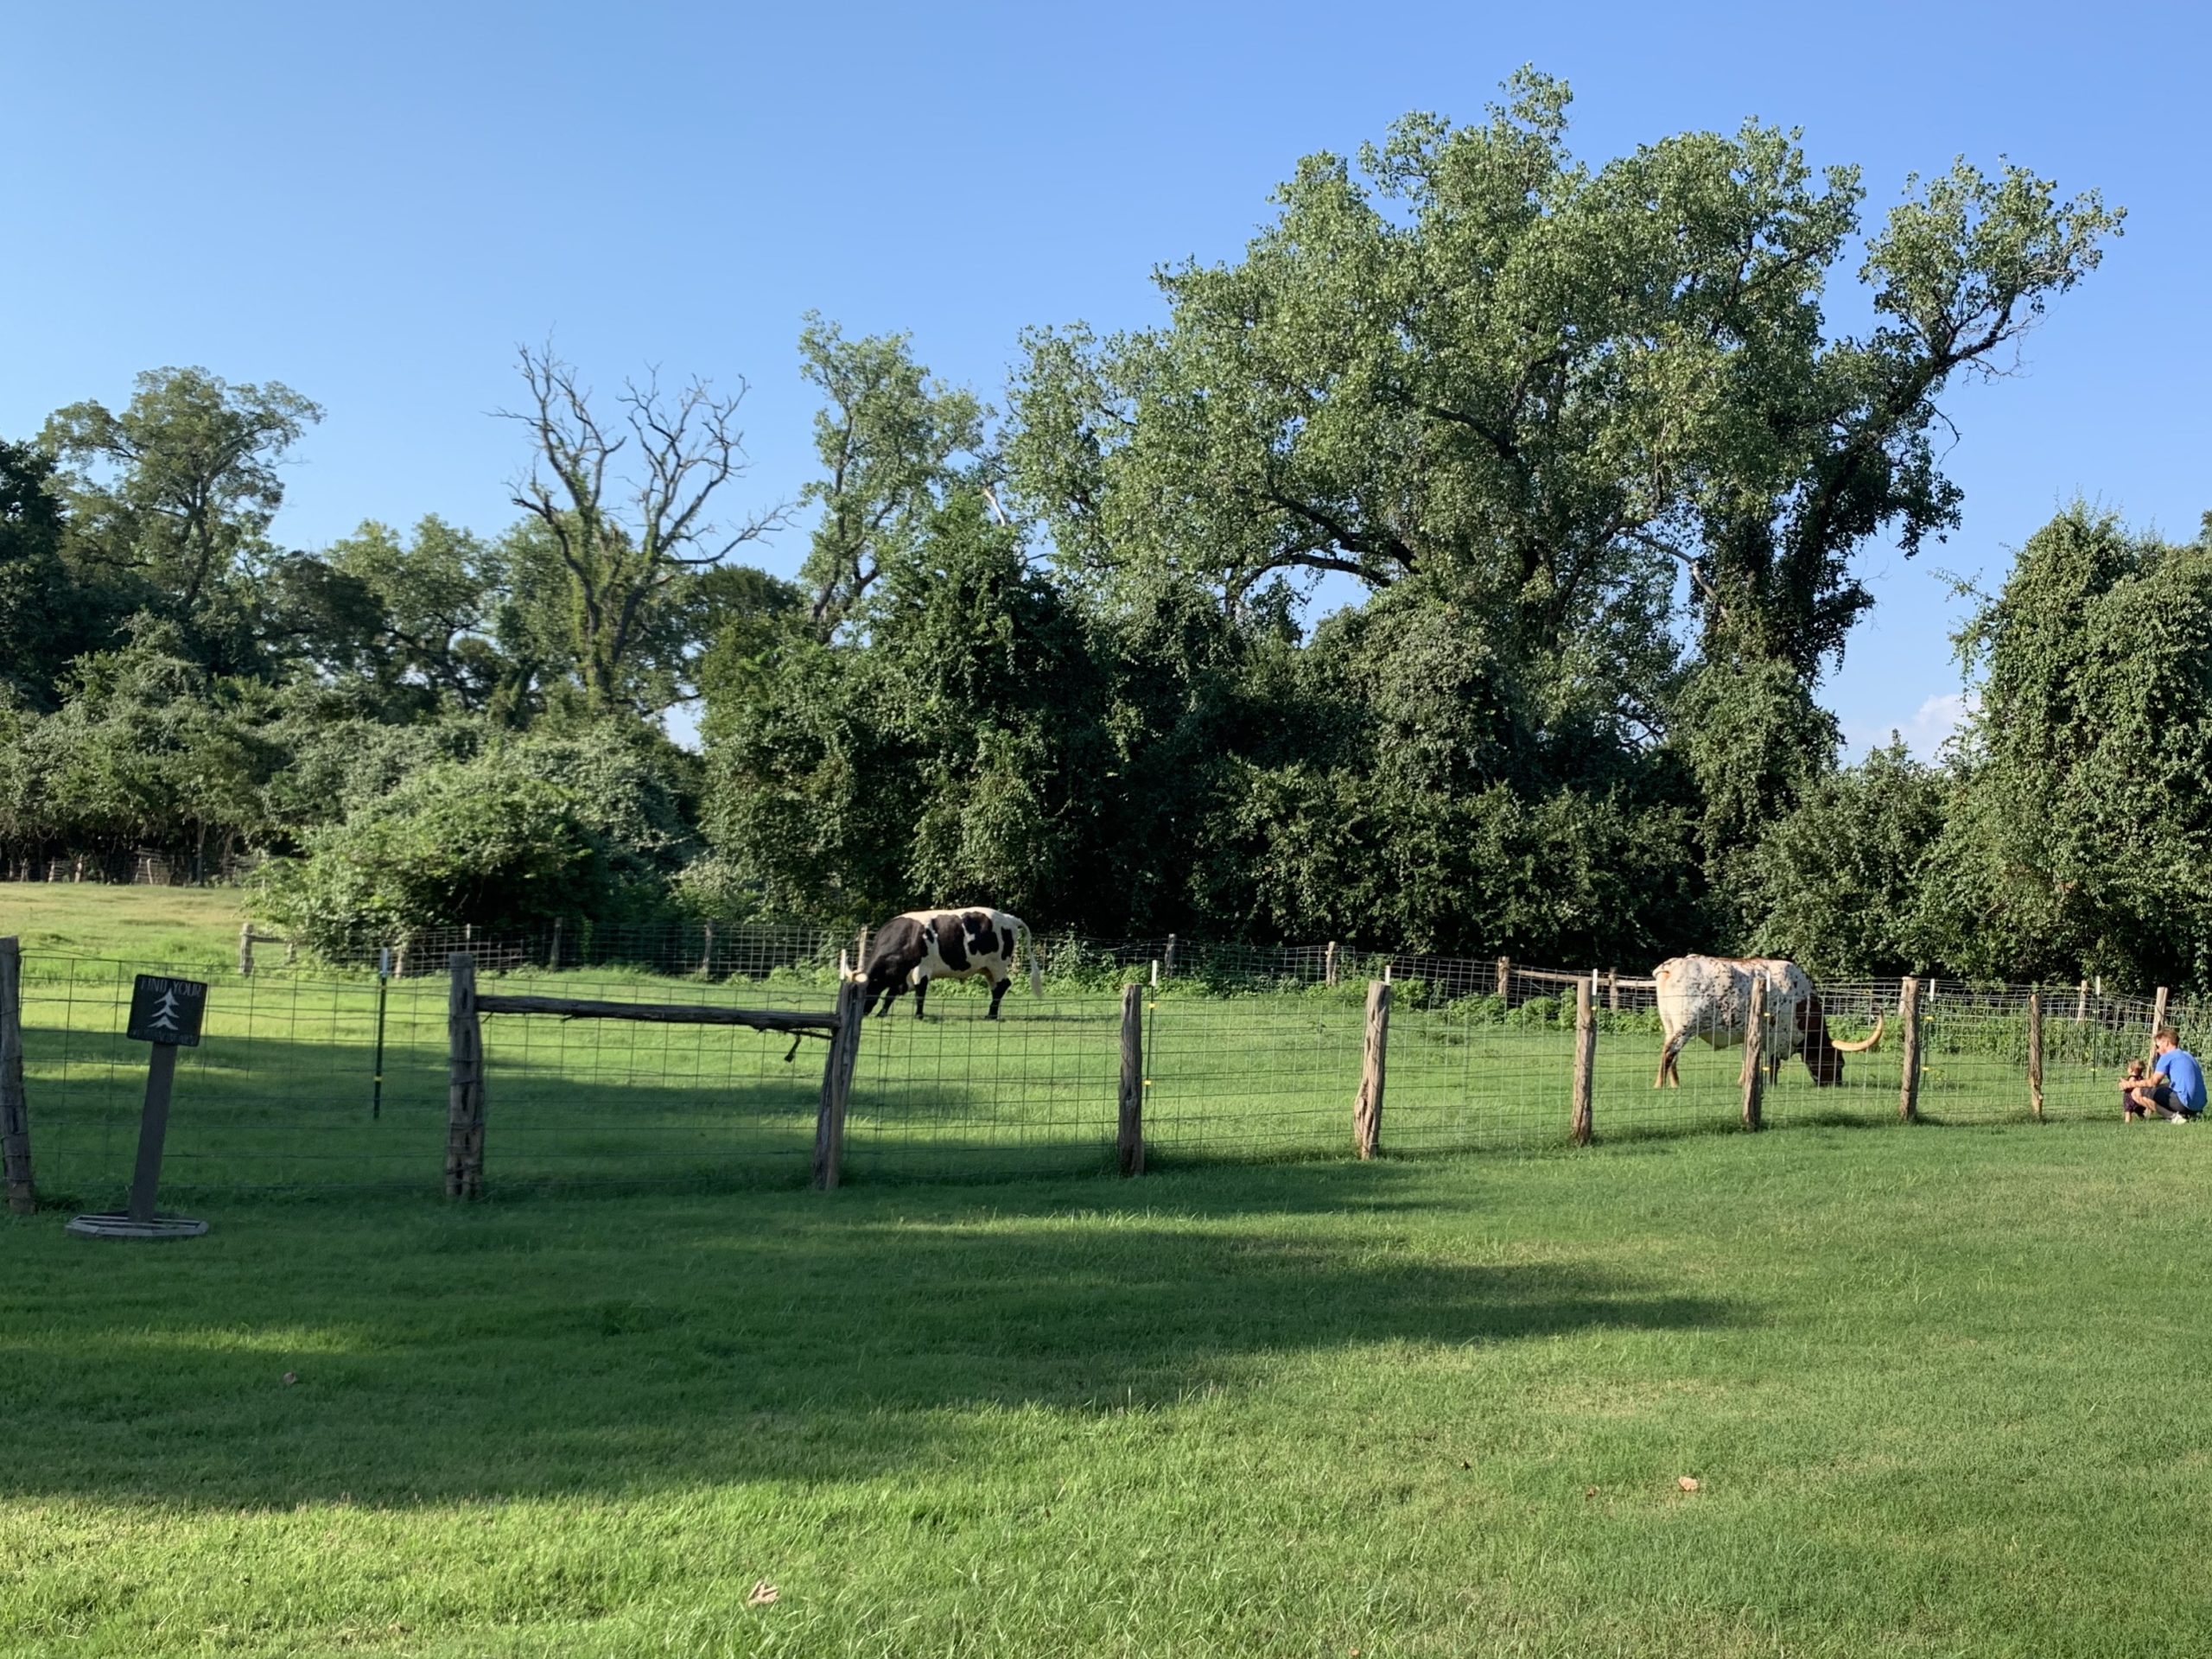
2176, 1080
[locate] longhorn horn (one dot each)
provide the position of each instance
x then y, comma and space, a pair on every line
1864, 1042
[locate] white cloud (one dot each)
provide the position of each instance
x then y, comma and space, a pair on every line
1924, 730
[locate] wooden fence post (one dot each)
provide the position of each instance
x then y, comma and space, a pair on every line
2081, 1003
860, 954
707, 951
1586, 1065
1329, 964
245, 951
1367, 1108
1131, 1139
464, 1082
836, 1089
2034, 1054
1613, 989
15, 1103
1167, 959
553, 957
1908, 1016
2159, 1011
1754, 1077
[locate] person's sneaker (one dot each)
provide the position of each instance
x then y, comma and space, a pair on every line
2178, 1117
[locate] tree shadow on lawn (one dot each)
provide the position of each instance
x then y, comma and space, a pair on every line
547, 1348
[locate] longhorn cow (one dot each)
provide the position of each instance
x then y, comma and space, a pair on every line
1711, 997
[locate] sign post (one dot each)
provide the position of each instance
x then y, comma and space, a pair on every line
166, 1013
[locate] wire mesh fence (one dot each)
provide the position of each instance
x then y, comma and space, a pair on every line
308, 1081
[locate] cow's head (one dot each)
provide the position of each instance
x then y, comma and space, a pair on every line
1823, 1054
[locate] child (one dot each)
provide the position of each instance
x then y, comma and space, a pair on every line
2134, 1092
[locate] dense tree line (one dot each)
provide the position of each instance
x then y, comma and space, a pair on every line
1581, 437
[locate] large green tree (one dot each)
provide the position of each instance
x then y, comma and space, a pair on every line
44, 621
172, 498
893, 444
2081, 840
950, 751
1595, 416
1840, 883
1552, 386
148, 751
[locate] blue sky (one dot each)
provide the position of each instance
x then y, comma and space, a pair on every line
375, 204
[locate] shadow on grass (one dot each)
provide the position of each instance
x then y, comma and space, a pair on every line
539, 1348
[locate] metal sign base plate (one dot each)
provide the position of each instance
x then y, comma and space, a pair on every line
114, 1226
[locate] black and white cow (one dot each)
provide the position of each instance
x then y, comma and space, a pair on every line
926, 944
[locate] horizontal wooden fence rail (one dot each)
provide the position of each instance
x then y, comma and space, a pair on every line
664, 1013
466, 1106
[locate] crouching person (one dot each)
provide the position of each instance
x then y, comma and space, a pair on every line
2175, 1089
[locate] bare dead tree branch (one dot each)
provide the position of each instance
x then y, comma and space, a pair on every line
625, 536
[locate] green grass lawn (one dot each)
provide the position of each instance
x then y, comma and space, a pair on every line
1937, 1387
183, 926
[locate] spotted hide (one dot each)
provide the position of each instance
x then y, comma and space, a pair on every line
1711, 997
925, 944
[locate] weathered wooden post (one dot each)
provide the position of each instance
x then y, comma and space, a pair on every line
1167, 959
1130, 1141
1504, 979
1585, 1065
1329, 964
1367, 1108
245, 951
15, 1103
860, 950
1613, 989
2081, 1003
2159, 1011
707, 951
2034, 1054
1754, 1077
553, 957
1908, 1016
836, 1087
464, 1082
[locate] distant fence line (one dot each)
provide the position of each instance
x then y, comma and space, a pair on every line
719, 950
142, 867
309, 1081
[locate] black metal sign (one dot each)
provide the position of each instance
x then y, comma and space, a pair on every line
167, 1011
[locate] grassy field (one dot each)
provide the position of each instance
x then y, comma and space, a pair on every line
1934, 1384
281, 1094
1936, 1387
186, 927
